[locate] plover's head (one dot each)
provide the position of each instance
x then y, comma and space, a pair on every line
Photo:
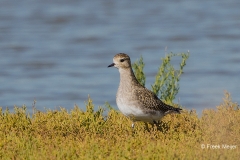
121, 60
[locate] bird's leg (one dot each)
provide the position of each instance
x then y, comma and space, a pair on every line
133, 121
133, 124
155, 123
133, 130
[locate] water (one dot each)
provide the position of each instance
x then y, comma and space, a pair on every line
57, 53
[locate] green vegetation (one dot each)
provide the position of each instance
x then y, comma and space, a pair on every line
92, 134
138, 67
166, 84
77, 134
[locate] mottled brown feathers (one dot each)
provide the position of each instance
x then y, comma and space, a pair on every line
150, 101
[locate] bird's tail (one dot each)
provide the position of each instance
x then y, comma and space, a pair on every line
178, 110
173, 110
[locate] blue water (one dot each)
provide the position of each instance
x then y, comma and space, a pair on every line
57, 52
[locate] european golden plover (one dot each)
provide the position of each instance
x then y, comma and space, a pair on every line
134, 100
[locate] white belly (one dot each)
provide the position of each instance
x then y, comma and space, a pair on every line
138, 114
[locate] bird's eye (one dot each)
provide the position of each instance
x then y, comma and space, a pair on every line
121, 60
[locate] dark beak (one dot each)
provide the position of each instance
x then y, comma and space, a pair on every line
111, 65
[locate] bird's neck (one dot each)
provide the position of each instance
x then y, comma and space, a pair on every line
127, 77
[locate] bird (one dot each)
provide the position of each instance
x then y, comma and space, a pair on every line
134, 100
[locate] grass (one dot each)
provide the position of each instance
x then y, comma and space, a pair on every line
78, 134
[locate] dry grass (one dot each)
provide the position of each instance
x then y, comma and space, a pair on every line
59, 134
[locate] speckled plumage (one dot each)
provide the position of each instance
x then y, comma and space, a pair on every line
134, 100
